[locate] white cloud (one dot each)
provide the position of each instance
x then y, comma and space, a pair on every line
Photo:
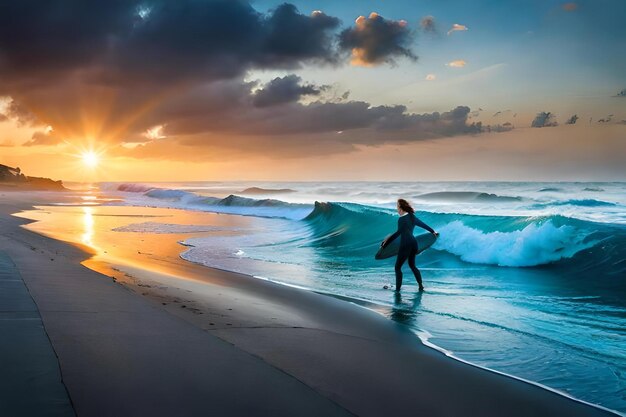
5, 103
155, 132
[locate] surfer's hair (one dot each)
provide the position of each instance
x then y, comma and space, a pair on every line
405, 206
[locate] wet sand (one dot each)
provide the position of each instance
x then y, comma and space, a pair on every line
143, 332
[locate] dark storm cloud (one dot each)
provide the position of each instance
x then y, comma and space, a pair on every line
293, 36
375, 40
47, 37
336, 117
122, 41
316, 129
233, 110
223, 38
285, 90
113, 70
544, 119
59, 57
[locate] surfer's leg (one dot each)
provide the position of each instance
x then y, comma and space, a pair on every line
416, 272
402, 255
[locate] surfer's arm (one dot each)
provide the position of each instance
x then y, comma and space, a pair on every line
390, 239
423, 225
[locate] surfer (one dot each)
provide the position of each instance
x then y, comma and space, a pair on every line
408, 244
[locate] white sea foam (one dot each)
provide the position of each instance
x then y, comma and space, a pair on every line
531, 246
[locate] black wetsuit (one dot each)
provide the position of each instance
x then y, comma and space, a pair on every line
408, 246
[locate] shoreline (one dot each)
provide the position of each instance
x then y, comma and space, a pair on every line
422, 338
241, 284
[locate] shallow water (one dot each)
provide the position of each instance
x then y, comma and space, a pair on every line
526, 278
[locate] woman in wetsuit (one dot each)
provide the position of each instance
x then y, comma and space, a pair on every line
408, 244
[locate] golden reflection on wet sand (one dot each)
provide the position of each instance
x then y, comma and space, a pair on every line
94, 227
88, 223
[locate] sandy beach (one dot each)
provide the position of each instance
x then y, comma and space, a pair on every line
312, 208
138, 331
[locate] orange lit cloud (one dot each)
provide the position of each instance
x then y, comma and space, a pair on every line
459, 63
457, 28
375, 40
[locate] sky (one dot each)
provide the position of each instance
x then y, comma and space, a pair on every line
156, 90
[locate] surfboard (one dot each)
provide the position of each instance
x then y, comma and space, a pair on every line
424, 241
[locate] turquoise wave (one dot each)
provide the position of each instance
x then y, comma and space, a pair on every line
509, 241
588, 202
354, 231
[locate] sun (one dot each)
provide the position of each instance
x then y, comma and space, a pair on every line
90, 159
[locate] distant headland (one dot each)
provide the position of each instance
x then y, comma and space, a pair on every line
14, 179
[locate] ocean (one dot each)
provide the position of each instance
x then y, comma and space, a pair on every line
527, 278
